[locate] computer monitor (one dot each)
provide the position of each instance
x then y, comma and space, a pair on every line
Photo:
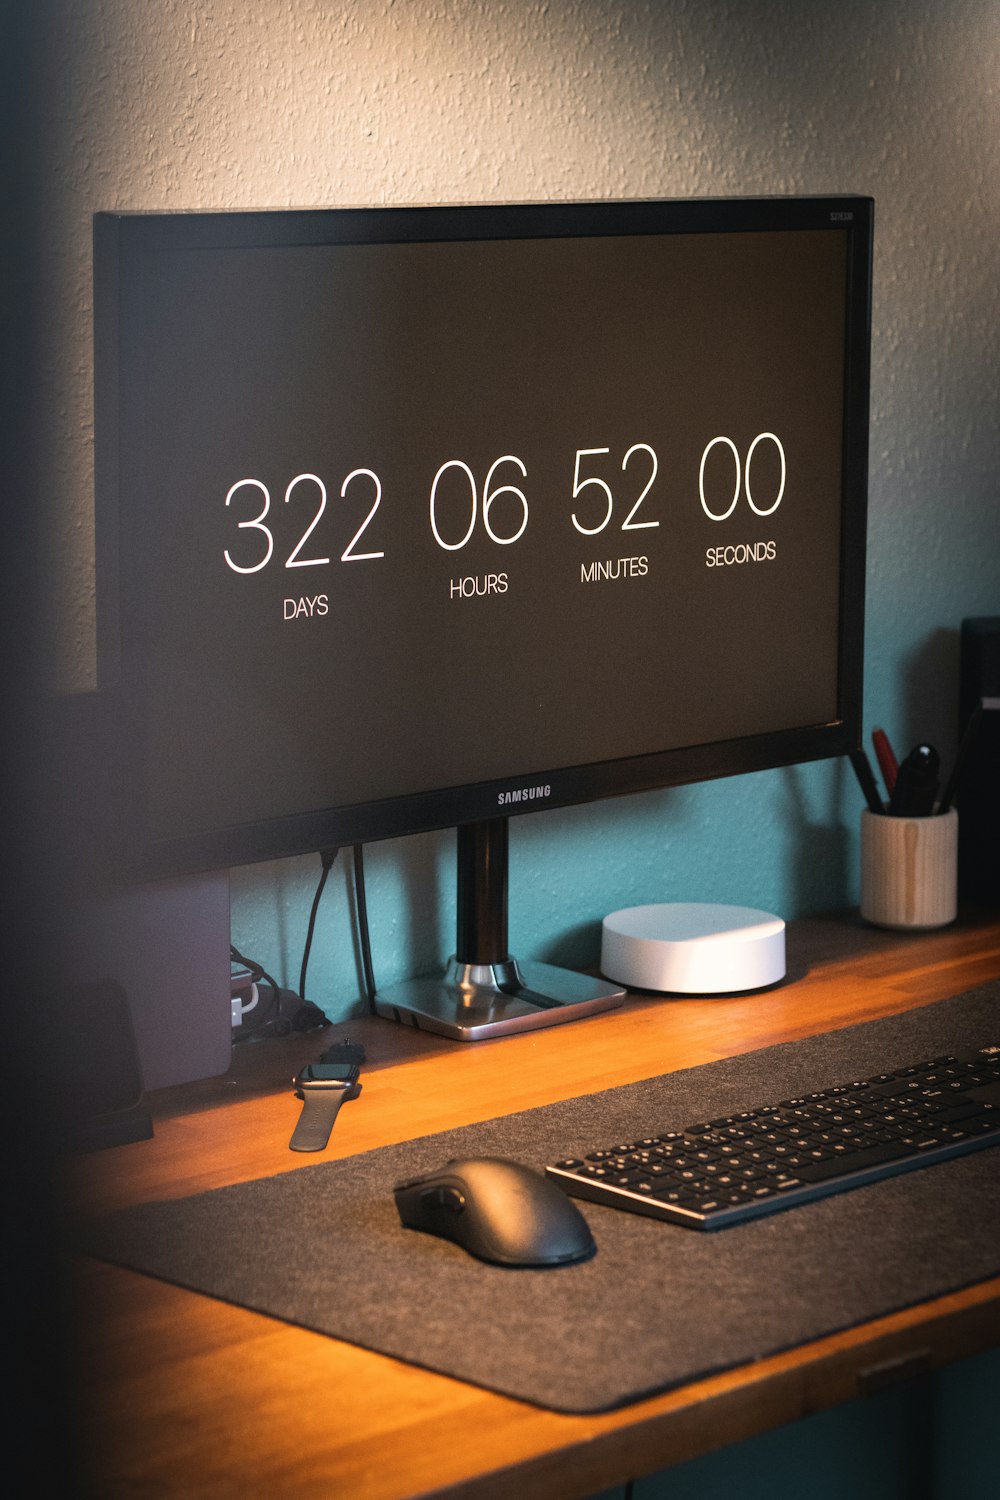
418, 517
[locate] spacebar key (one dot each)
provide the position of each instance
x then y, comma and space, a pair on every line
857, 1161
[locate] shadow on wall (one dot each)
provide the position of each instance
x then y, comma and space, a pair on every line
822, 854
821, 875
417, 938
930, 696
595, 858
577, 947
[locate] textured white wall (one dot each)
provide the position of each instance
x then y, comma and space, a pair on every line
195, 104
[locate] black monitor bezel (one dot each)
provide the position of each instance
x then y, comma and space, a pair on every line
120, 243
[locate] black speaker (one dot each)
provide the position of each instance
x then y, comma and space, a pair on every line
164, 944
978, 781
98, 1093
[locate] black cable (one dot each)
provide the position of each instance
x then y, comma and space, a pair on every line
366, 947
327, 857
257, 971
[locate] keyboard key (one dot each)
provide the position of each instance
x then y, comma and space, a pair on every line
859, 1161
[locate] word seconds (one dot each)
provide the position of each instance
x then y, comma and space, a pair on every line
741, 552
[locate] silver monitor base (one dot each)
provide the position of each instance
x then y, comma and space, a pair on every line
471, 1002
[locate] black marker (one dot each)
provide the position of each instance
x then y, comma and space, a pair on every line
916, 785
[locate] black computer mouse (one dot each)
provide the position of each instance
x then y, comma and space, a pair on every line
498, 1210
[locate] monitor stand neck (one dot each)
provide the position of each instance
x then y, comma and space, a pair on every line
484, 991
481, 908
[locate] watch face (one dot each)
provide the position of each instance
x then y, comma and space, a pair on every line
320, 1072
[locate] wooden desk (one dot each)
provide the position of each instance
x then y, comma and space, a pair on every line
184, 1395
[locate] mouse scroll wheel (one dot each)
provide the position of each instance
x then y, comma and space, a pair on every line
443, 1197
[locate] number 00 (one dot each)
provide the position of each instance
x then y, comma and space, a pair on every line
742, 473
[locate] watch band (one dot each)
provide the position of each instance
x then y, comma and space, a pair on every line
322, 1096
320, 1108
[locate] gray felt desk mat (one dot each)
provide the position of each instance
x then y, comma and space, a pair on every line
658, 1305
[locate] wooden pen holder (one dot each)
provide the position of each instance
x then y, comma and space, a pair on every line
909, 870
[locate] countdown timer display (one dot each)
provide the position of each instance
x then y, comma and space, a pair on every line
423, 515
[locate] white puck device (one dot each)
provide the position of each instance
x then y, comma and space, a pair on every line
693, 948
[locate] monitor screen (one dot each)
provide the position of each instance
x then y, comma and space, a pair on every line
418, 517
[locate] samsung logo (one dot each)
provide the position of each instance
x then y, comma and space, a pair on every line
523, 794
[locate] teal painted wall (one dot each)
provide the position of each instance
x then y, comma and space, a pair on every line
305, 102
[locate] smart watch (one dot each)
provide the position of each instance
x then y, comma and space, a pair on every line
323, 1086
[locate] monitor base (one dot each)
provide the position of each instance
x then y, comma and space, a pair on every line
471, 1002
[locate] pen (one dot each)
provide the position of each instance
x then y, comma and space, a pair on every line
886, 758
866, 780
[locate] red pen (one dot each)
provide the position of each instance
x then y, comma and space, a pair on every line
888, 764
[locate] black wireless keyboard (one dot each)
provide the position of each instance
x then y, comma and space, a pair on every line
738, 1167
